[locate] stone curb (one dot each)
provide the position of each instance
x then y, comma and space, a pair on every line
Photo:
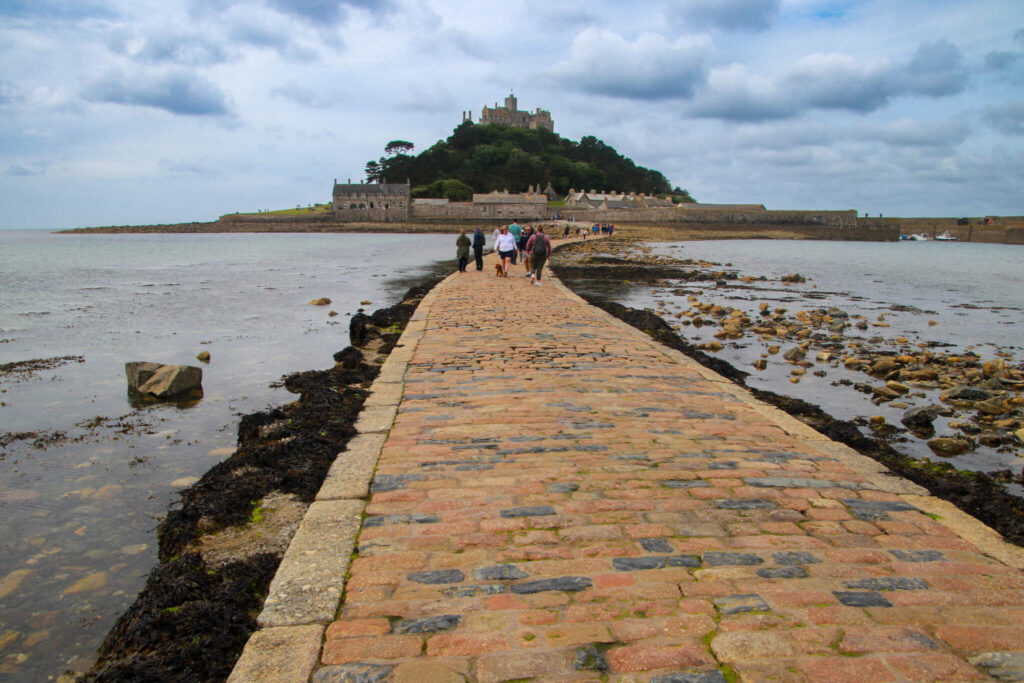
264, 660
307, 588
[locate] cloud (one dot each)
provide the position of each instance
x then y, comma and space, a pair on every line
733, 94
176, 92
61, 10
9, 93
17, 170
830, 81
328, 11
650, 68
170, 47
1006, 118
839, 81
936, 69
909, 132
264, 34
1001, 60
183, 167
730, 15
431, 99
299, 94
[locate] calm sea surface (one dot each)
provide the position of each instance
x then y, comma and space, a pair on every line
77, 517
974, 293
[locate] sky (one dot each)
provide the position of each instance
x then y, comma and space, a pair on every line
126, 112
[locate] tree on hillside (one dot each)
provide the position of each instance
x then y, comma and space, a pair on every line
682, 196
450, 189
373, 171
396, 147
492, 157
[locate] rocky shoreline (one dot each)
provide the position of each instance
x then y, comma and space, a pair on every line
219, 549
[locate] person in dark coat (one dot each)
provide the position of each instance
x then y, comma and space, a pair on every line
462, 250
478, 248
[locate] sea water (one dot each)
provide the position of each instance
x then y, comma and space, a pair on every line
80, 500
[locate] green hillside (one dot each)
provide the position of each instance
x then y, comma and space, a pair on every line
482, 158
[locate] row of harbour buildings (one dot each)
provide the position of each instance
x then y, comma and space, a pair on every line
393, 203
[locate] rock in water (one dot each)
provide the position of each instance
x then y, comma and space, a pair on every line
920, 417
139, 373
322, 301
795, 353
949, 446
163, 381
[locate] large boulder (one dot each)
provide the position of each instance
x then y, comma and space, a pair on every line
139, 373
163, 381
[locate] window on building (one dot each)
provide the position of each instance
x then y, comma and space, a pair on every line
352, 205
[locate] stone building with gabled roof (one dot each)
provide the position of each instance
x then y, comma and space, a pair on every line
371, 201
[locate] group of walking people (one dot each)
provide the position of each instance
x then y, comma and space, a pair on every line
510, 242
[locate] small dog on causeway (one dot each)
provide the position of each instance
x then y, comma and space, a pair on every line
499, 271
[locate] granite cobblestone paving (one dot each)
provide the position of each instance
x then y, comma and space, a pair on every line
561, 499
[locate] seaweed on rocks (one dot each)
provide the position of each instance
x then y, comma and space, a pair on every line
290, 451
193, 617
976, 493
188, 623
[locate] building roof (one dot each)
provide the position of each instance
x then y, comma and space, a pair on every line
371, 188
506, 198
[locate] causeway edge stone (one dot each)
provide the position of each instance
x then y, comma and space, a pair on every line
279, 652
280, 655
311, 578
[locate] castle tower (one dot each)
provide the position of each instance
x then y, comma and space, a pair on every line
511, 102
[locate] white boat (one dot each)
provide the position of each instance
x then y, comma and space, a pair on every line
947, 237
919, 237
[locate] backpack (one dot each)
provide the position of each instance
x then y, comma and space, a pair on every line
540, 245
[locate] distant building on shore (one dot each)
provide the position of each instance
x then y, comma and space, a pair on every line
383, 202
611, 200
509, 115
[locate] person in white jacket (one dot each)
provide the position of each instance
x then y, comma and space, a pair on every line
505, 245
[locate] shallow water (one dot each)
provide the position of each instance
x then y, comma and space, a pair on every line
973, 292
78, 517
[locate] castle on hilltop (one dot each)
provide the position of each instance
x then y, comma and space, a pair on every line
509, 115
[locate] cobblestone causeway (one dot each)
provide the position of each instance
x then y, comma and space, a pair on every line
561, 499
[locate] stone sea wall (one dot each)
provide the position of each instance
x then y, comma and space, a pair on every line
695, 223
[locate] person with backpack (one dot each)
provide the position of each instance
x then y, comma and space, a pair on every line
539, 248
478, 248
523, 239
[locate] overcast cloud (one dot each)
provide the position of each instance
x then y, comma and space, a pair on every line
158, 111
